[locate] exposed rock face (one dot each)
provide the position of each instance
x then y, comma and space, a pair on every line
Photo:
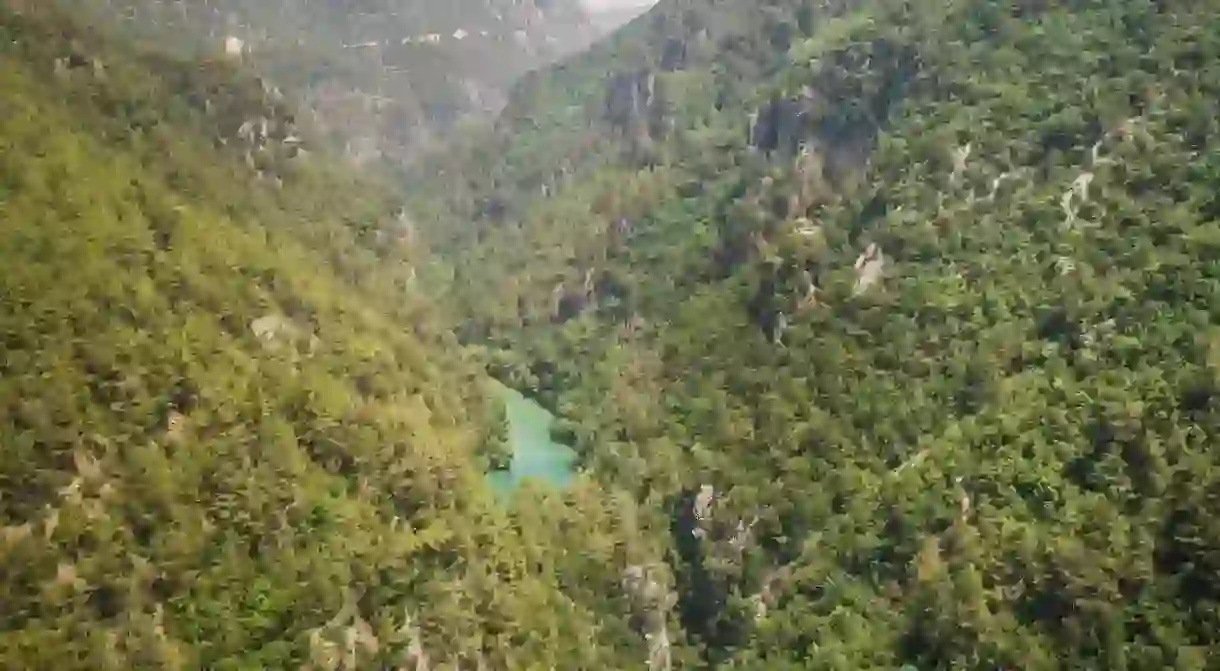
869, 268
1076, 195
651, 602
277, 333
234, 46
702, 508
673, 57
629, 99
780, 126
960, 156
703, 502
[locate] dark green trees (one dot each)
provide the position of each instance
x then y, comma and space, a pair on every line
928, 292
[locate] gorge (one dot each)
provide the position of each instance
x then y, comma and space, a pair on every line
879, 334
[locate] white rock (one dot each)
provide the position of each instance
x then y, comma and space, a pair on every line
869, 267
234, 46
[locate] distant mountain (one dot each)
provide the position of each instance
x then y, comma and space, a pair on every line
384, 79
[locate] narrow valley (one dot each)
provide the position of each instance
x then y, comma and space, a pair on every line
514, 335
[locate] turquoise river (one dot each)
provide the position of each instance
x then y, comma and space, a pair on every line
535, 455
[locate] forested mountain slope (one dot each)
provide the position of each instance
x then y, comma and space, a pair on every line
905, 311
674, 80
232, 433
388, 80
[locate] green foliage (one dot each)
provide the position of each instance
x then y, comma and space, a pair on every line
237, 430
233, 435
997, 456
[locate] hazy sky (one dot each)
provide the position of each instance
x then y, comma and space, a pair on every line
615, 4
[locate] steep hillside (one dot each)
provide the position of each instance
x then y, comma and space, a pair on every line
233, 435
386, 79
904, 311
680, 80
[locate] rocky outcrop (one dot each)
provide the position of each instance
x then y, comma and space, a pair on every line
673, 54
703, 508
278, 334
783, 125
869, 268
650, 602
344, 643
629, 99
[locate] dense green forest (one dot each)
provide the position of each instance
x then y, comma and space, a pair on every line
235, 434
904, 312
885, 332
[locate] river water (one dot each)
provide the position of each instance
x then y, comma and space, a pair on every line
535, 455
